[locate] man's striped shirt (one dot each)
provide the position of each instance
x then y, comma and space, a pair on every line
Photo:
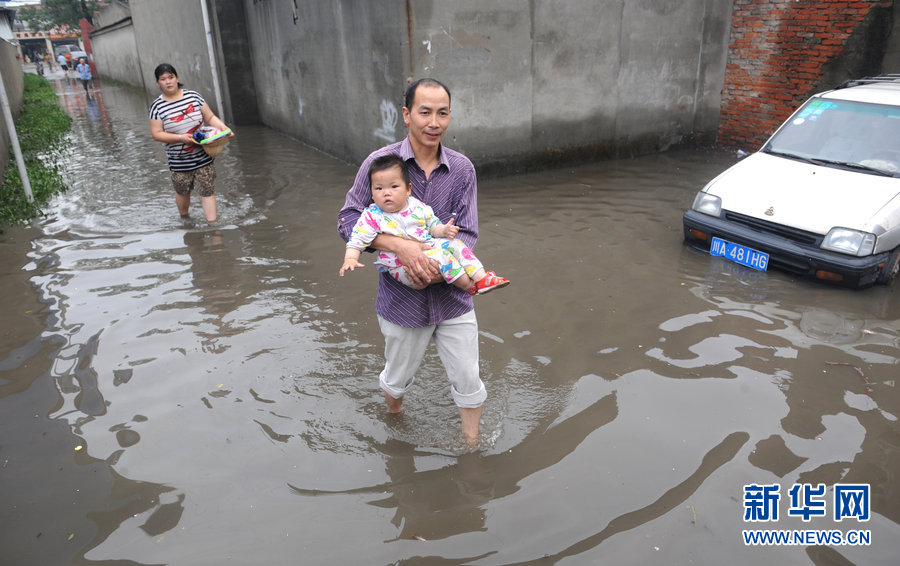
452, 191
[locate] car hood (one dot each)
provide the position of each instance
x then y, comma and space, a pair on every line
802, 195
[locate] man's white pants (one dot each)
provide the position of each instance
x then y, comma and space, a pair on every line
457, 345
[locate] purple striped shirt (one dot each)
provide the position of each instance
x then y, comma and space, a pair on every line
452, 190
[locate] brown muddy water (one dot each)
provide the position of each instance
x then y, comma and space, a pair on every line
178, 393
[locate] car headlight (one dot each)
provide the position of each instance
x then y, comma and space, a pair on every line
707, 204
847, 241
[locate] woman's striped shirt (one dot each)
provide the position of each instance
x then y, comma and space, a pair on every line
182, 116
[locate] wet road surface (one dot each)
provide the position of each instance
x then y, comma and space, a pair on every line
174, 392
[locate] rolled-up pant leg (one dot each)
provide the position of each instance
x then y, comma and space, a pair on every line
457, 345
404, 349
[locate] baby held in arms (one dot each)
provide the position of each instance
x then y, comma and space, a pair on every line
396, 212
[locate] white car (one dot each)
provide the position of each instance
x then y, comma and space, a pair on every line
821, 198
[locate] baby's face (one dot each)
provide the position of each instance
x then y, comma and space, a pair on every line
389, 191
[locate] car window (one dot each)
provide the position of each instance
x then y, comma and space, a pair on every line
842, 131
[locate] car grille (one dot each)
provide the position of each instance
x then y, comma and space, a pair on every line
801, 237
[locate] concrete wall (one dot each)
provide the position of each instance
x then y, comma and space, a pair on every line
172, 31
11, 69
115, 52
235, 64
113, 12
533, 81
333, 73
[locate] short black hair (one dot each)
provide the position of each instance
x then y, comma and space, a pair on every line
388, 161
163, 68
411, 90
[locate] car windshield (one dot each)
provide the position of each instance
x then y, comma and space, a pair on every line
842, 133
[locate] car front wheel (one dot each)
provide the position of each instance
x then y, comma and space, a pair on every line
891, 268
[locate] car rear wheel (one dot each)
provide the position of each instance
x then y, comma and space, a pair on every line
891, 268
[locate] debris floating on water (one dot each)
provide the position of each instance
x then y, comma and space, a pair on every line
858, 370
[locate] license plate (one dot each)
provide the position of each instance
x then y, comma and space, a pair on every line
739, 254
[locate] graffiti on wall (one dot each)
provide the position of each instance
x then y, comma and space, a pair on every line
388, 122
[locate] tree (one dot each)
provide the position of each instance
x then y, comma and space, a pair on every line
55, 13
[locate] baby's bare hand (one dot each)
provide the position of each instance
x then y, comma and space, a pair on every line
449, 230
349, 265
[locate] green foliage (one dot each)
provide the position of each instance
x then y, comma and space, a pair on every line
55, 13
42, 126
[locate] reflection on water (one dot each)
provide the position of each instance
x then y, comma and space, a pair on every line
220, 382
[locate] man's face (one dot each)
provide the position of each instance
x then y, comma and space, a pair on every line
429, 116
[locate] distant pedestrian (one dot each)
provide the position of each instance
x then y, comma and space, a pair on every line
62, 62
84, 71
174, 116
70, 67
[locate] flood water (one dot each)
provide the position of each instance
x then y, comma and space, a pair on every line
181, 393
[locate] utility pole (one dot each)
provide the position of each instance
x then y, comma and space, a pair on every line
213, 66
14, 138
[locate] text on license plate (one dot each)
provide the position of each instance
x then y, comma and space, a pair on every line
739, 254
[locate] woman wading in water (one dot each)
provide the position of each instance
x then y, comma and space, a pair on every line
174, 116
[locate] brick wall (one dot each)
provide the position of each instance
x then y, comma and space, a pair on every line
778, 52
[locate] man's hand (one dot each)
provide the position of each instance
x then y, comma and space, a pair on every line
422, 270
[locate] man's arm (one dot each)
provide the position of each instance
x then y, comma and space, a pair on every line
422, 270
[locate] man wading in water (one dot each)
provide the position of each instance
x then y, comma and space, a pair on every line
411, 317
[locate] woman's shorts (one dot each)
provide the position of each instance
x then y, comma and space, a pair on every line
205, 178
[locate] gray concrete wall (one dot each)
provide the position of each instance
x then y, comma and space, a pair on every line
11, 69
114, 11
533, 81
115, 53
326, 74
133, 39
172, 31
235, 64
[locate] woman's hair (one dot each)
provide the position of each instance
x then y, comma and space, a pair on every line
166, 68
411, 90
389, 161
